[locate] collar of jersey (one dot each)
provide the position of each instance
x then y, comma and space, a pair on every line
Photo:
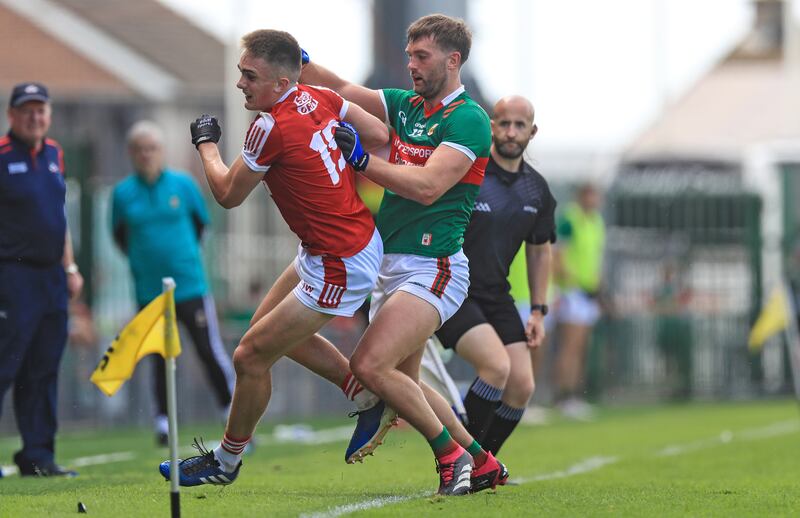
285, 95
447, 100
24, 145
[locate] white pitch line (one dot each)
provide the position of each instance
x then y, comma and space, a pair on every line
79, 462
363, 506
584, 466
105, 458
726, 436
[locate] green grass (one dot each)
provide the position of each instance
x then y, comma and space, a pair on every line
731, 460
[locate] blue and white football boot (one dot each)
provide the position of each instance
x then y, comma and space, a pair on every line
200, 469
372, 426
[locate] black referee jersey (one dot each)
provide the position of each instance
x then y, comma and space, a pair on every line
510, 208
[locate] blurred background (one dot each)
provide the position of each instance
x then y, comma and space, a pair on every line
685, 112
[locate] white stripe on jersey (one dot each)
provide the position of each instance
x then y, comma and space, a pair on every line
255, 141
385, 106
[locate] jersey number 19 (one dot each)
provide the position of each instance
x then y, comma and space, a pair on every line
323, 143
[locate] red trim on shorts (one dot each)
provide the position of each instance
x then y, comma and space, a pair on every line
335, 282
443, 277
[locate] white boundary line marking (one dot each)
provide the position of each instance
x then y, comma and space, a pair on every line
588, 464
584, 466
727, 436
79, 462
363, 506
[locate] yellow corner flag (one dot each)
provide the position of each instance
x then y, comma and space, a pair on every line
146, 334
773, 319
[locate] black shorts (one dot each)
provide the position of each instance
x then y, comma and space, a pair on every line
500, 312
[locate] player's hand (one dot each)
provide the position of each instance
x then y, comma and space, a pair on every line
205, 129
534, 330
346, 138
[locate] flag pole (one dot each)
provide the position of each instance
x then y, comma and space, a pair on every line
168, 283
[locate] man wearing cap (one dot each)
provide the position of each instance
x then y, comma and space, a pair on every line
37, 275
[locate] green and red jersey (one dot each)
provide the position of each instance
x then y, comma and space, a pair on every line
437, 230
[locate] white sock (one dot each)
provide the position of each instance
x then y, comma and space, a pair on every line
365, 399
358, 394
227, 460
161, 424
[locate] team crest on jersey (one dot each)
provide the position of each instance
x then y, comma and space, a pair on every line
402, 116
174, 201
432, 129
426, 239
53, 167
305, 103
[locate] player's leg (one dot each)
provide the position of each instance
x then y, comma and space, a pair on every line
271, 337
482, 348
389, 340
519, 390
472, 338
506, 322
487, 471
418, 294
316, 354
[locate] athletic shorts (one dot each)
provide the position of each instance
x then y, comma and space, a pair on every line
500, 312
577, 307
338, 285
442, 282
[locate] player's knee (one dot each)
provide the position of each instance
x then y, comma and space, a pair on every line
496, 372
247, 360
520, 391
363, 369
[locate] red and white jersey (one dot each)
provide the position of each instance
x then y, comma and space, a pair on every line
309, 179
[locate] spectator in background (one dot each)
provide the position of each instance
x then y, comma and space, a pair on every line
37, 275
157, 218
670, 304
578, 264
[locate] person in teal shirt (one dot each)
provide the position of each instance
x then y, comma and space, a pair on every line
157, 219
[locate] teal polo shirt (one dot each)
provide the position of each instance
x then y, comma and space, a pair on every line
161, 224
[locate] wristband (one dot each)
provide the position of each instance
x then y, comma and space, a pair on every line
542, 308
71, 268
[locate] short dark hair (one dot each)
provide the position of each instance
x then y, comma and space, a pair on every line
278, 48
449, 33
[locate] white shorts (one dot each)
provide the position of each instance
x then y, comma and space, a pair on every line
442, 282
338, 285
576, 307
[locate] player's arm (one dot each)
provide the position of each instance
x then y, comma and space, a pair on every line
426, 184
367, 98
445, 167
230, 186
372, 131
538, 259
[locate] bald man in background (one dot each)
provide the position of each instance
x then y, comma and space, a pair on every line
514, 205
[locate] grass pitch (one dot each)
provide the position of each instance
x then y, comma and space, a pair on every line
695, 460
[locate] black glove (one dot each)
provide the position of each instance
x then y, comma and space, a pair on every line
205, 129
346, 138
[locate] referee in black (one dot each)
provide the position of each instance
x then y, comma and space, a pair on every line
513, 205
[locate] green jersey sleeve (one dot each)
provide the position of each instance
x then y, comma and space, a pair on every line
392, 99
467, 128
